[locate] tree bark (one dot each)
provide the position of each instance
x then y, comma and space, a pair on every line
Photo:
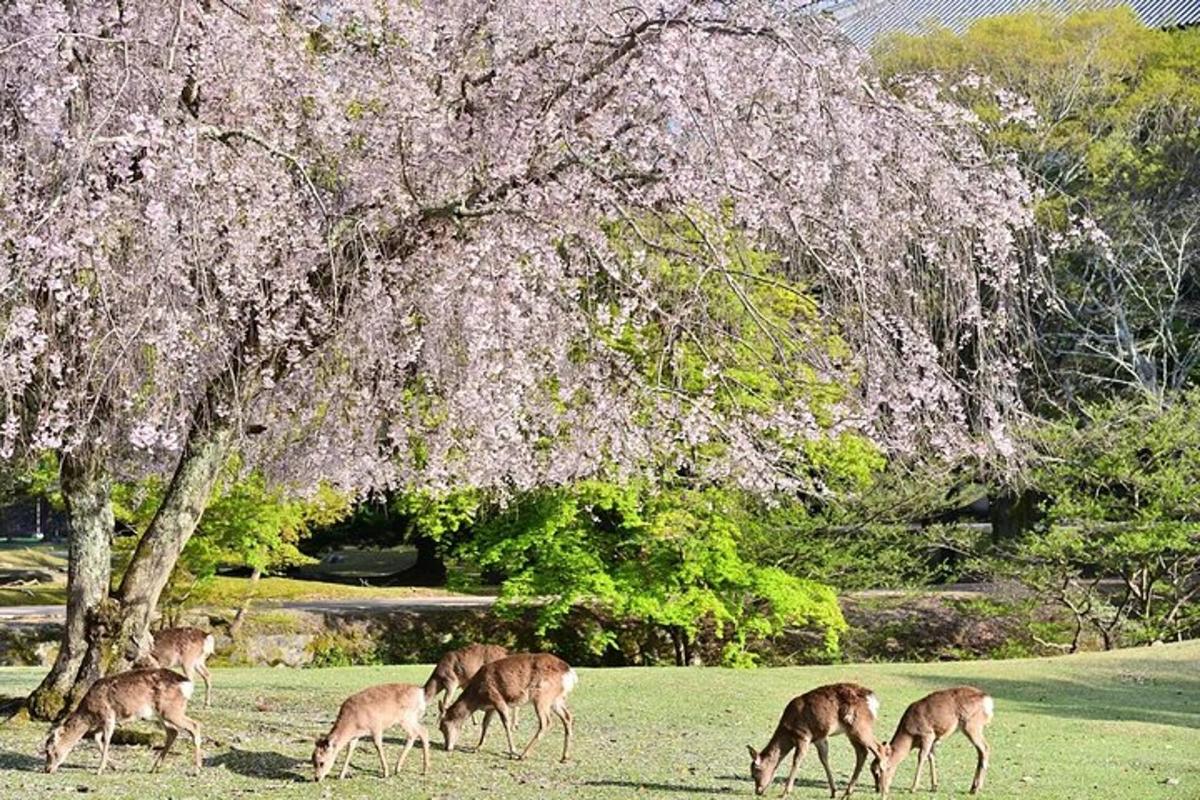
121, 638
89, 570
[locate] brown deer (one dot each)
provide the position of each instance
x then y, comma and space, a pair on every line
812, 718
499, 687
927, 722
121, 698
369, 713
456, 668
188, 648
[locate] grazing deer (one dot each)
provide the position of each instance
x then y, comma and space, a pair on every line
812, 718
120, 698
499, 687
188, 648
456, 669
927, 722
369, 713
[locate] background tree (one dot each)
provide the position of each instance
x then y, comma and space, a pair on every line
1100, 112
1121, 545
356, 242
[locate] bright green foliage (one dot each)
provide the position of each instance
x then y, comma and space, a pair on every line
1124, 502
438, 515
249, 523
671, 559
751, 341
1115, 101
253, 524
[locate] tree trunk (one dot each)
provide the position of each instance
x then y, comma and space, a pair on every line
89, 570
240, 618
122, 638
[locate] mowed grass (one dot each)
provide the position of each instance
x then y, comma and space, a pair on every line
229, 591
1122, 725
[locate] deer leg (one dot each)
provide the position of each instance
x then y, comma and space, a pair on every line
822, 746
377, 737
797, 757
207, 676
447, 691
487, 720
860, 758
409, 738
933, 781
98, 738
181, 721
922, 755
110, 725
424, 749
564, 713
172, 735
543, 717
975, 734
349, 753
506, 721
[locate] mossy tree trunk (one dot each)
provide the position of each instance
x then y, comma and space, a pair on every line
120, 637
89, 510
125, 638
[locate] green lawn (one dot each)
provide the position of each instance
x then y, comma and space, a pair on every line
1119, 725
226, 591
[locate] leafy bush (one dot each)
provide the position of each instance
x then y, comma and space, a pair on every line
671, 559
1121, 547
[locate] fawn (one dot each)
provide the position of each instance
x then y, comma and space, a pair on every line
369, 713
456, 668
927, 722
812, 718
499, 687
188, 648
137, 694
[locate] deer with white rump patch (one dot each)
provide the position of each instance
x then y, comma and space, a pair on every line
121, 698
499, 687
812, 718
369, 713
188, 648
926, 723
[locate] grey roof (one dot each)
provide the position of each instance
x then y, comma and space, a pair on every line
866, 20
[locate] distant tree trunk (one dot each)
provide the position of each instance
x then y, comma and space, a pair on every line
240, 618
679, 639
1012, 513
429, 568
89, 570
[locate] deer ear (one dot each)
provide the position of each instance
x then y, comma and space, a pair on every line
753, 752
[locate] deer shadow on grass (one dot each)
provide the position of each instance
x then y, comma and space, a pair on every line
661, 787
1121, 696
22, 762
802, 781
260, 764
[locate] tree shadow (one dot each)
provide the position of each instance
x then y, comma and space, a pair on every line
265, 764
662, 787
1125, 696
20, 762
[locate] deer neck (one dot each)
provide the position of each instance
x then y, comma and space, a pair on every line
782, 742
901, 746
75, 728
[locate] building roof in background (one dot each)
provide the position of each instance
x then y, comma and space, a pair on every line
866, 20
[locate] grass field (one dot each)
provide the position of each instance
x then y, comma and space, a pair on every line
1122, 725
